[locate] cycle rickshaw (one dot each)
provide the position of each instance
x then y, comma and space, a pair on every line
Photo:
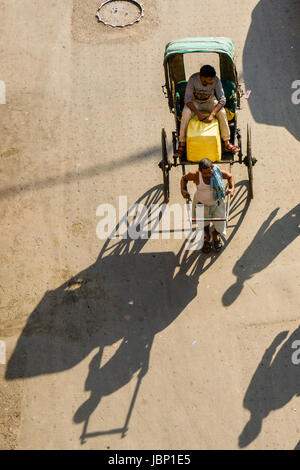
174, 90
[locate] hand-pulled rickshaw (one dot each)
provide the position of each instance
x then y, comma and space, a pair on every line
174, 90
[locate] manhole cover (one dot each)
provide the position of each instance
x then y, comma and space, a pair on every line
120, 13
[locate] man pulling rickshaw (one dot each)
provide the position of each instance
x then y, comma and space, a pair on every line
211, 193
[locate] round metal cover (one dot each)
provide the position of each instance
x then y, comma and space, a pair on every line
120, 13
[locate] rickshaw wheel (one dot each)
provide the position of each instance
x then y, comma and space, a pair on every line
250, 162
174, 141
165, 165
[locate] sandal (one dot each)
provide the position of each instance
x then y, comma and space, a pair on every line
180, 151
206, 246
217, 245
232, 148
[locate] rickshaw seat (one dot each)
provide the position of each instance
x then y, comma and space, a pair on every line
179, 95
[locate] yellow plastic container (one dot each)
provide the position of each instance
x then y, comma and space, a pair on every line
203, 140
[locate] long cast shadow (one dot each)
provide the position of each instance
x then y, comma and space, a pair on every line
127, 296
267, 244
271, 63
275, 382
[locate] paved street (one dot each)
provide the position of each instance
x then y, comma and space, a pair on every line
142, 344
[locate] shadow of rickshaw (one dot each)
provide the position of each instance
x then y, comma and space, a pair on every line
126, 296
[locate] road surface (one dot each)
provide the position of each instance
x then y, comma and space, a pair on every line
123, 344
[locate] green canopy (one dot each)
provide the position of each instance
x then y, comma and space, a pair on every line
220, 45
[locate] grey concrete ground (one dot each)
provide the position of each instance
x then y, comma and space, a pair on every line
142, 345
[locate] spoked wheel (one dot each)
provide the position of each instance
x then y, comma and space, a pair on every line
165, 165
249, 162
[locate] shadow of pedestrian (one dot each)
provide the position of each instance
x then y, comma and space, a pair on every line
267, 244
271, 65
275, 382
127, 296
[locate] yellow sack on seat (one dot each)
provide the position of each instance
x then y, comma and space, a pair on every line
203, 140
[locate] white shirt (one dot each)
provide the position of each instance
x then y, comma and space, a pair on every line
205, 193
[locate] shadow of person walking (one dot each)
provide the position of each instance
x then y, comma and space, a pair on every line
271, 65
267, 244
275, 382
